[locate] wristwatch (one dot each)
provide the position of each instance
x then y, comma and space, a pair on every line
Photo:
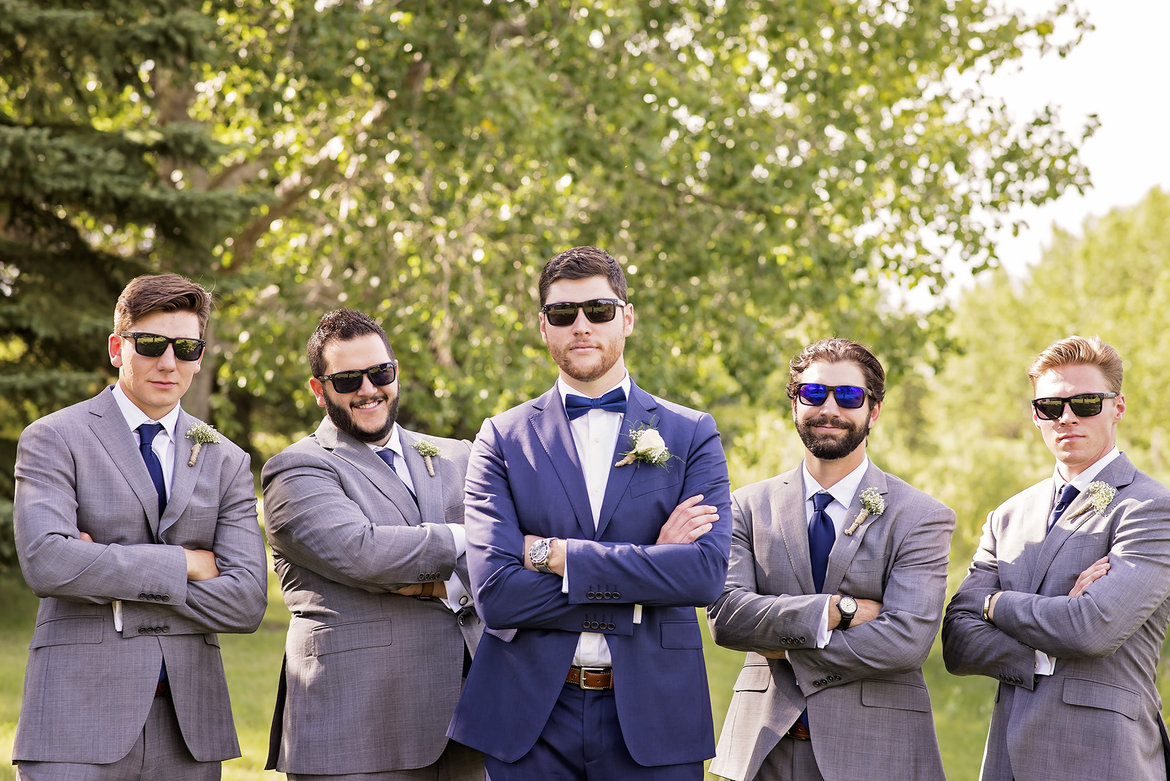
847, 606
538, 554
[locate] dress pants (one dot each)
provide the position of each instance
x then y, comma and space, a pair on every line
790, 760
159, 753
582, 741
456, 763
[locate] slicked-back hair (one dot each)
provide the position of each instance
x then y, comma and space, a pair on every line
838, 350
152, 293
340, 325
582, 263
1079, 351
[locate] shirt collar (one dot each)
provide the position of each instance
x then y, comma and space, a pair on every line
135, 417
843, 490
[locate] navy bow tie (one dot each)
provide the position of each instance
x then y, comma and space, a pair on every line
614, 401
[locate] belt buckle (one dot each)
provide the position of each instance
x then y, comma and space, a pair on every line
593, 671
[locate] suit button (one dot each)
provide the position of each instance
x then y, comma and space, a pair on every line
608, 595
802, 640
591, 595
166, 629
584, 624
611, 627
617, 595
142, 595
594, 625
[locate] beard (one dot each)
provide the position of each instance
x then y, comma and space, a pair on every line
344, 421
828, 447
588, 370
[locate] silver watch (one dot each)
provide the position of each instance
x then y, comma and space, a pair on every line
538, 554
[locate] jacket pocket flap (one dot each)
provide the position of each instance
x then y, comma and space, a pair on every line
754, 678
350, 637
894, 694
69, 631
1107, 696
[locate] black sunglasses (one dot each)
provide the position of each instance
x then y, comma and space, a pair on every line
813, 394
153, 345
348, 382
1083, 405
597, 310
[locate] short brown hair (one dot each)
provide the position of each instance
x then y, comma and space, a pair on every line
1079, 351
152, 293
582, 263
837, 351
341, 325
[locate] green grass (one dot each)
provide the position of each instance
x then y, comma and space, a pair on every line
962, 706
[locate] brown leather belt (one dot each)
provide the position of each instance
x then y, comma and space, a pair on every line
163, 688
591, 678
799, 732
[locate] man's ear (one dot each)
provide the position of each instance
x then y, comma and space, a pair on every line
318, 390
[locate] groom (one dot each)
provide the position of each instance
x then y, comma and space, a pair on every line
587, 573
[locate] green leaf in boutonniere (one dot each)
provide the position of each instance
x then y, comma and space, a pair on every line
427, 450
201, 434
646, 444
872, 503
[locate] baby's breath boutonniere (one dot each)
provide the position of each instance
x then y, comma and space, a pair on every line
202, 434
872, 503
646, 444
427, 450
1100, 494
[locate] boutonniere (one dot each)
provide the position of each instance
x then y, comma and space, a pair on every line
872, 503
427, 450
646, 444
202, 434
1100, 494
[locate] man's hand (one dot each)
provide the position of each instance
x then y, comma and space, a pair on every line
201, 565
1095, 572
689, 521
867, 610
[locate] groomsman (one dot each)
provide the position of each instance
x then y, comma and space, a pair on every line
1066, 601
136, 525
836, 588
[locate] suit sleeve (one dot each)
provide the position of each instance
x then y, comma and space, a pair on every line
745, 619
971, 646
690, 574
1111, 609
235, 600
312, 522
55, 561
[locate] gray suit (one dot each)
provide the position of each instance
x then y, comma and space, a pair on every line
1099, 714
868, 706
371, 677
88, 688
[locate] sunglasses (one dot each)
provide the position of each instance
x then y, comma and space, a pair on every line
1083, 405
348, 382
597, 310
153, 345
813, 394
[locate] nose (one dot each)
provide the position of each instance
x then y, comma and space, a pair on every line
168, 359
581, 323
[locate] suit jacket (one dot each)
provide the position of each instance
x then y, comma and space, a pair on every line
1100, 711
370, 677
525, 478
868, 706
87, 687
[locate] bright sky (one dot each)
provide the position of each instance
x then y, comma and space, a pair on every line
1120, 72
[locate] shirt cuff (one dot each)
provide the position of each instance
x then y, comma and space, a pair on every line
824, 634
1045, 664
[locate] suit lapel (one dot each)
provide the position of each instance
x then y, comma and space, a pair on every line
184, 478
551, 426
428, 489
361, 457
846, 545
111, 431
639, 414
788, 519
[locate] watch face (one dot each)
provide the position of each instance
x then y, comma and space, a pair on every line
847, 606
538, 553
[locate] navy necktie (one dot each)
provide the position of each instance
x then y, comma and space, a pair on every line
1067, 495
821, 536
146, 433
387, 455
614, 401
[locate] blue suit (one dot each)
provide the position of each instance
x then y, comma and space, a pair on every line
525, 478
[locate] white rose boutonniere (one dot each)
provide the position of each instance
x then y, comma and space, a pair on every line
872, 503
428, 450
646, 444
202, 434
